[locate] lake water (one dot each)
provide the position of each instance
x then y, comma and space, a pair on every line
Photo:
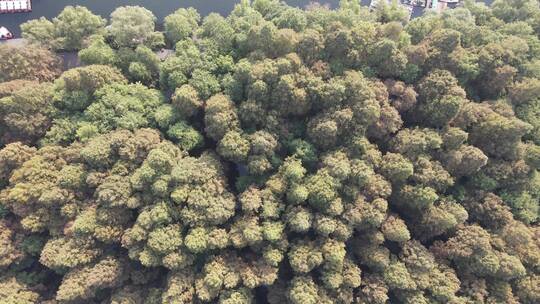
160, 8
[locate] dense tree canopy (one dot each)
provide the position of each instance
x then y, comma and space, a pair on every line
34, 63
278, 155
68, 31
133, 25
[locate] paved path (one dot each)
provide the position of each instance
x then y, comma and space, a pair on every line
14, 42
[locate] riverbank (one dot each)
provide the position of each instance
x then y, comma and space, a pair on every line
51, 8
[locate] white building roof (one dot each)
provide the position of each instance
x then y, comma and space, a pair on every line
9, 6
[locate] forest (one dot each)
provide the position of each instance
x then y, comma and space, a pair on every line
277, 155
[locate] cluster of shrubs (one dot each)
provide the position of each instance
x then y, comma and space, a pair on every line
279, 155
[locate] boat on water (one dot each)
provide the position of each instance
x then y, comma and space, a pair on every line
5, 34
15, 6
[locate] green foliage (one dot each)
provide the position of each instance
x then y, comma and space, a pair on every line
98, 52
79, 283
68, 31
15, 292
276, 155
186, 100
388, 12
26, 114
396, 168
39, 30
31, 63
75, 89
186, 136
75, 24
181, 24
134, 25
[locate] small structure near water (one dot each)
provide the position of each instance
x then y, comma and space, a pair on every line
15, 6
5, 34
